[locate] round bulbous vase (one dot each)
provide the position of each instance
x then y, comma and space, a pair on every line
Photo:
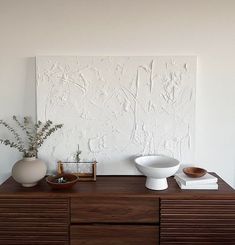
29, 171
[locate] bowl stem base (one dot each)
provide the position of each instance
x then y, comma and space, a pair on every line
156, 184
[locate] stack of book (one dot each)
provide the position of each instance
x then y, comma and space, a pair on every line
206, 182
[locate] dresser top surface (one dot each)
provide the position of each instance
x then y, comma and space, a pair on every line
114, 185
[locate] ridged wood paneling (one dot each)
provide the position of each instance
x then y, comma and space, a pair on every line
34, 221
114, 210
197, 222
114, 234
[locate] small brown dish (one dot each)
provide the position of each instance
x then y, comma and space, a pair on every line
194, 172
62, 181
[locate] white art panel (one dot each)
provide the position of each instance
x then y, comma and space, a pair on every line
116, 108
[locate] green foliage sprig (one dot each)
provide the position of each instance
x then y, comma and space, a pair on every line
36, 134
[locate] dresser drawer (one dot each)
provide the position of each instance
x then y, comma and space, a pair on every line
114, 234
115, 210
197, 221
37, 221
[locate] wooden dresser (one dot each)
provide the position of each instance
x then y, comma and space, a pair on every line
116, 210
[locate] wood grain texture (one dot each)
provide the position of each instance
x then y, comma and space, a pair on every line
114, 235
114, 210
118, 186
34, 221
197, 222
40, 215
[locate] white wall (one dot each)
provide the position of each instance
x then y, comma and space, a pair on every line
127, 27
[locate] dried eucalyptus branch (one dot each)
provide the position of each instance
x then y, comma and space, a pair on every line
13, 145
36, 135
39, 135
77, 155
48, 133
15, 134
24, 126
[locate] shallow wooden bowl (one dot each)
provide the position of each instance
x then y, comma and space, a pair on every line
194, 172
70, 178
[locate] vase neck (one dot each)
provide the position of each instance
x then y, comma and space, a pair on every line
29, 158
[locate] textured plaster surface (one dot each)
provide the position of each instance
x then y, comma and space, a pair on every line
116, 108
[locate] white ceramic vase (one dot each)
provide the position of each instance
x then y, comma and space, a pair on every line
29, 171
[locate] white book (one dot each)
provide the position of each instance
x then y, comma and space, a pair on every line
210, 186
188, 181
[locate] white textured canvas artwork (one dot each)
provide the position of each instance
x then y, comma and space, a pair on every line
117, 108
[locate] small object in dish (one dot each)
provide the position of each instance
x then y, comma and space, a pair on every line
194, 172
62, 181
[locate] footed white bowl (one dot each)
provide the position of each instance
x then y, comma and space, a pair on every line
157, 168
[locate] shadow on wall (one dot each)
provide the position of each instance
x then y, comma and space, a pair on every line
30, 87
8, 158
26, 107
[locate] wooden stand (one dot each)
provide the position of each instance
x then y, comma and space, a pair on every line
82, 176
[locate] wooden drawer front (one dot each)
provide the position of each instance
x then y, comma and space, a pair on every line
34, 221
114, 234
115, 210
197, 222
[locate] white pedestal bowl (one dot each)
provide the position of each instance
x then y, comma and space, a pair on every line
157, 168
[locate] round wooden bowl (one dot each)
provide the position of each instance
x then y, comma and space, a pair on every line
194, 172
71, 180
